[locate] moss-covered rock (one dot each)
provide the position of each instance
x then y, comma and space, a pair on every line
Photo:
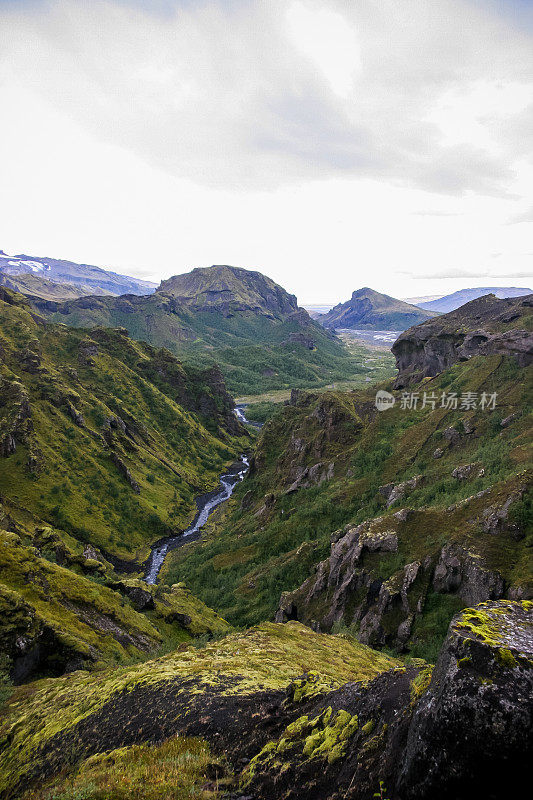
222, 692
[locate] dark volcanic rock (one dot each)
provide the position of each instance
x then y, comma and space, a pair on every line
477, 328
472, 732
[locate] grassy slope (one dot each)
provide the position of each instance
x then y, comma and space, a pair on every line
256, 552
254, 350
169, 451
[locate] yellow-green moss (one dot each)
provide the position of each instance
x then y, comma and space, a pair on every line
324, 737
269, 656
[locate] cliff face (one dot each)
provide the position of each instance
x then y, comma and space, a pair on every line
368, 309
482, 327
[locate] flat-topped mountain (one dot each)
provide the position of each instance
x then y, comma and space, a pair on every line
452, 301
375, 311
238, 318
88, 278
484, 326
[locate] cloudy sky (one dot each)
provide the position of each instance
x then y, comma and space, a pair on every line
331, 144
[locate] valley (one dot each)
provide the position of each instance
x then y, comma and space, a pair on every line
241, 597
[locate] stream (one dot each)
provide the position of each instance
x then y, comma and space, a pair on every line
206, 504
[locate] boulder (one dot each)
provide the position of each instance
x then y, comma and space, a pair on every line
472, 732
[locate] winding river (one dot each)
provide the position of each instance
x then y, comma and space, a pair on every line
206, 504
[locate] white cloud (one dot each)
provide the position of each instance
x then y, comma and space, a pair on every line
311, 138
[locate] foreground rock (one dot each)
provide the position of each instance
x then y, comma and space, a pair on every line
460, 731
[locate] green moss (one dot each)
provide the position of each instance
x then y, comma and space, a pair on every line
506, 658
269, 656
177, 769
368, 727
326, 737
420, 684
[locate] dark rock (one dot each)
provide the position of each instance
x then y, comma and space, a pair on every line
122, 468
466, 471
434, 346
472, 732
141, 598
394, 492
463, 573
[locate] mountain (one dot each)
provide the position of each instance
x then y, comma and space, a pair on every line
375, 311
452, 301
35, 286
238, 318
89, 279
481, 327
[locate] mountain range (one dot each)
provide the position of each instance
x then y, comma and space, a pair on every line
237, 318
34, 274
368, 309
361, 606
452, 301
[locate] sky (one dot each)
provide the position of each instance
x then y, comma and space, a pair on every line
331, 144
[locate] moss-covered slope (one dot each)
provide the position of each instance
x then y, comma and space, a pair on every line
239, 319
332, 460
204, 692
104, 437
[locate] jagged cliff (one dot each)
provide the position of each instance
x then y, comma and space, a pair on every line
482, 327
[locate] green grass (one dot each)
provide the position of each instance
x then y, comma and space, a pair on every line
177, 769
250, 554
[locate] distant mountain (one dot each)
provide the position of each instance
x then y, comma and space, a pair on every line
452, 301
35, 286
316, 309
91, 280
240, 319
375, 311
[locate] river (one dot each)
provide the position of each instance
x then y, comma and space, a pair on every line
206, 504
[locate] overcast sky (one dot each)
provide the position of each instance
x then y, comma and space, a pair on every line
331, 144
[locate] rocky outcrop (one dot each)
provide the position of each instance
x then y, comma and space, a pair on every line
472, 731
16, 425
124, 471
312, 476
364, 585
395, 492
480, 327
463, 573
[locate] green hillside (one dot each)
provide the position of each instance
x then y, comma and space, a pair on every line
318, 469
107, 438
239, 319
